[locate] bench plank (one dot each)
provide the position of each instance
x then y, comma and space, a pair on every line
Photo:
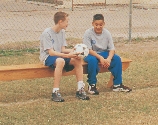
30, 71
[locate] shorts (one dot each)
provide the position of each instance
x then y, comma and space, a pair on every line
50, 61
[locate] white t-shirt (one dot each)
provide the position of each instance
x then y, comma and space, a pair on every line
49, 39
98, 42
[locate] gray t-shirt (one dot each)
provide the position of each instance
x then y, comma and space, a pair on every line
98, 42
49, 39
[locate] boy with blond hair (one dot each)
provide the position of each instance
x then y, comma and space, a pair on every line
53, 53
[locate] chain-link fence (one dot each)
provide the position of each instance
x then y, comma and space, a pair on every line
22, 20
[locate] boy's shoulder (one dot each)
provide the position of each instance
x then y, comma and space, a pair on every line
47, 30
106, 31
89, 30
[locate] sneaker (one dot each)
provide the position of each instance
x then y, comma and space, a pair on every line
121, 88
81, 94
92, 89
56, 97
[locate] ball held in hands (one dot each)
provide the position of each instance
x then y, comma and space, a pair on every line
81, 50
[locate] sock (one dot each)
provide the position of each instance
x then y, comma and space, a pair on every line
92, 84
55, 89
116, 85
80, 85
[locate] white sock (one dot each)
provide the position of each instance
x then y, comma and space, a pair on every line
55, 89
116, 85
80, 85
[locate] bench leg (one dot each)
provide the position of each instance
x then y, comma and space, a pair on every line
110, 83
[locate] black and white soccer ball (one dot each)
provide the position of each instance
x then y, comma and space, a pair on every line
82, 49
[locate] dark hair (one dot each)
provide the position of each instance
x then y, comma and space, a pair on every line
59, 16
98, 17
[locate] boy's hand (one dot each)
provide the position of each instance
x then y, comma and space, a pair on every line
74, 55
102, 61
77, 57
105, 62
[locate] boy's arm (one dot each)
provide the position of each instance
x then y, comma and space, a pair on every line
64, 55
104, 62
111, 54
64, 50
94, 53
54, 53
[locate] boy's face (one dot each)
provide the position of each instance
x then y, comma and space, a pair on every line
98, 26
64, 24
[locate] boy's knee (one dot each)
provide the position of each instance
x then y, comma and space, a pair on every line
76, 61
116, 57
91, 59
60, 61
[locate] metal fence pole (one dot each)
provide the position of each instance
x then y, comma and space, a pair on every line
72, 8
130, 20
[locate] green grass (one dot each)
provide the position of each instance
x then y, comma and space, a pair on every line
17, 52
24, 102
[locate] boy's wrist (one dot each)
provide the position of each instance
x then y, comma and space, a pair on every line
100, 57
109, 58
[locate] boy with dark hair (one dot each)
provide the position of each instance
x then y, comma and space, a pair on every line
54, 54
101, 49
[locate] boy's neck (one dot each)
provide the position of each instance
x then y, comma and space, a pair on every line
97, 33
56, 28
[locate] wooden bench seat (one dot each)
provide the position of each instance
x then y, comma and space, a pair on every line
30, 71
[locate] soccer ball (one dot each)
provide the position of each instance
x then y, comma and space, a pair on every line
82, 49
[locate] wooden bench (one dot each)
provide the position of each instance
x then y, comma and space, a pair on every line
31, 71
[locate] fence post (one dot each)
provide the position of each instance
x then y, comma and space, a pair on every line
130, 20
72, 8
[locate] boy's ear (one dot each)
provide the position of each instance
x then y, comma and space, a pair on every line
60, 21
104, 23
92, 23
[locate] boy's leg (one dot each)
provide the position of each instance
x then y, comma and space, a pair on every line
78, 68
92, 70
116, 70
59, 64
115, 67
81, 94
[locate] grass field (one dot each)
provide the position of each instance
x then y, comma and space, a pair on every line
28, 102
